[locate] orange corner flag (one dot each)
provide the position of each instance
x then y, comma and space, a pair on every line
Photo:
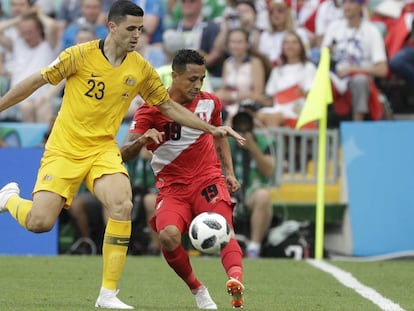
320, 94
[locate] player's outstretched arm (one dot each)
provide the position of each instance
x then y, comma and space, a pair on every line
134, 142
181, 115
185, 117
21, 91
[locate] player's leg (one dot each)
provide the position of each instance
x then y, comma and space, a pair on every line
114, 192
108, 180
55, 185
231, 259
149, 206
38, 215
231, 255
172, 218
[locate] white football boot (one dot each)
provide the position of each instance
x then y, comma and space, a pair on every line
107, 300
204, 300
6, 192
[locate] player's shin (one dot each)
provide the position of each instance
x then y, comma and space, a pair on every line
231, 258
19, 209
114, 251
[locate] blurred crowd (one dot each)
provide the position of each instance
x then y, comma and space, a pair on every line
260, 54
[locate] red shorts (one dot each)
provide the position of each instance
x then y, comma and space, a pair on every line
178, 204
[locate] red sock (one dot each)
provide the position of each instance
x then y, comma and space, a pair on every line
180, 262
231, 258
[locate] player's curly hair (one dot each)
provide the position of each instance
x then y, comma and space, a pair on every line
185, 57
121, 8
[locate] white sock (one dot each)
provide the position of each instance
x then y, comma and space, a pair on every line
254, 247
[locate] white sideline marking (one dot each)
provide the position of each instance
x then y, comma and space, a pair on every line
348, 280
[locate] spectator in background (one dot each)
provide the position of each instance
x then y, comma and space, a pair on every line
328, 11
9, 137
153, 53
211, 9
243, 16
10, 39
243, 74
70, 10
30, 52
153, 19
402, 62
281, 21
288, 85
172, 42
90, 12
254, 166
200, 33
19, 8
358, 56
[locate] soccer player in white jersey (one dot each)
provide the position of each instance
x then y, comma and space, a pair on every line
102, 77
189, 167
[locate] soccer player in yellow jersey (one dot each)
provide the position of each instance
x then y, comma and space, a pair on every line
102, 77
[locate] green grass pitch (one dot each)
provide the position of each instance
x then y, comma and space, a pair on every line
72, 283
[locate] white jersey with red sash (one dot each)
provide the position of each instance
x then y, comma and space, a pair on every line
185, 153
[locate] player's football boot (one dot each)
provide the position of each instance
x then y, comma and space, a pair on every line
204, 300
6, 192
235, 289
107, 300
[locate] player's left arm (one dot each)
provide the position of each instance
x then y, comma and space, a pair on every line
183, 116
224, 154
22, 90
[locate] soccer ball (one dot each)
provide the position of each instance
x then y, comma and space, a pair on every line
209, 232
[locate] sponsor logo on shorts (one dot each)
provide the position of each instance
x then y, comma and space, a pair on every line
47, 177
159, 205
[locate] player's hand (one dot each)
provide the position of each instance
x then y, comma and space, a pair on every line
225, 130
232, 183
249, 141
152, 135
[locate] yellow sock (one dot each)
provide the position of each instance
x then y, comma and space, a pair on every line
114, 250
19, 208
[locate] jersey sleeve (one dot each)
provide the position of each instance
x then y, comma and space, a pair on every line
64, 66
152, 89
142, 120
216, 117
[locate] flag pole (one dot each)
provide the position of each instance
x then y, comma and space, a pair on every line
320, 195
315, 108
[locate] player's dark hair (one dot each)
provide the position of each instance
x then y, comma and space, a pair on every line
121, 8
185, 57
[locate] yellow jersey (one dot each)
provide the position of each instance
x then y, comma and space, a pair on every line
97, 96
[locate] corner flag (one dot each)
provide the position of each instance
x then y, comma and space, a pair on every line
316, 105
320, 94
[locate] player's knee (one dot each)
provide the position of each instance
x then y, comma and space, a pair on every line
170, 238
39, 224
121, 210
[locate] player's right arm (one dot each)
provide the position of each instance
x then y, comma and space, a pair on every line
134, 142
21, 91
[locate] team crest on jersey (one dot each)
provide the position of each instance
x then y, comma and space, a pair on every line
204, 109
130, 81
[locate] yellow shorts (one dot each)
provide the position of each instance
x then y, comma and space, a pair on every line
63, 175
